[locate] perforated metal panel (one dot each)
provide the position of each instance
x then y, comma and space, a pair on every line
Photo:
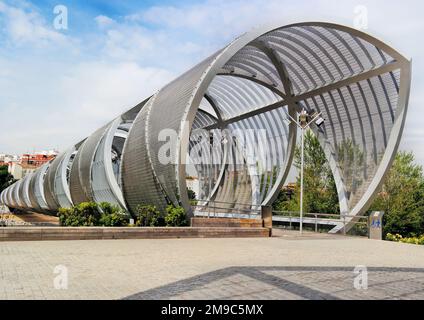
50, 194
24, 191
17, 199
104, 182
80, 179
61, 183
36, 189
139, 184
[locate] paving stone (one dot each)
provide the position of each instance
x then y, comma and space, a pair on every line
266, 268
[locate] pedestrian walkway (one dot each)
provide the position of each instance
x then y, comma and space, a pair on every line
314, 266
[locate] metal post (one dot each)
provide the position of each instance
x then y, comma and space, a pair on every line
368, 228
303, 124
316, 223
344, 224
290, 220
301, 180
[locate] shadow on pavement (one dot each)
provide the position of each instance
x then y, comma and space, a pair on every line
315, 283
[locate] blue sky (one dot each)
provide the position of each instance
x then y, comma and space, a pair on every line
58, 86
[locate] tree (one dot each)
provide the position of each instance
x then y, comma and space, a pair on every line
320, 193
351, 161
6, 179
402, 197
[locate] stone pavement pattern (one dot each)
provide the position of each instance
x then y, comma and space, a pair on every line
283, 267
317, 283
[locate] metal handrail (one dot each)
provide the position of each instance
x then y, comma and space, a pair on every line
321, 214
235, 203
227, 208
317, 217
212, 204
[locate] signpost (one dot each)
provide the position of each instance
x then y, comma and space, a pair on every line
376, 225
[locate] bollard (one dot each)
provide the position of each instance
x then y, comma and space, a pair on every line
266, 215
316, 223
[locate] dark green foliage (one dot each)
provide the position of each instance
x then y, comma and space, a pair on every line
320, 194
283, 202
6, 179
351, 162
91, 214
402, 198
191, 197
149, 216
176, 216
191, 194
84, 214
112, 215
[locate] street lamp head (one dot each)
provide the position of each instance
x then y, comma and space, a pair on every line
319, 122
306, 118
303, 118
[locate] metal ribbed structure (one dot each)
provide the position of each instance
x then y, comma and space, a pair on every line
18, 201
106, 173
50, 193
9, 199
226, 119
80, 178
61, 183
24, 191
36, 189
136, 165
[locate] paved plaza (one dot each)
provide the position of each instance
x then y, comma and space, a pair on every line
282, 267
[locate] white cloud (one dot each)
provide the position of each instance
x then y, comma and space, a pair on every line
57, 99
216, 17
228, 18
28, 27
104, 21
102, 90
220, 20
55, 109
126, 41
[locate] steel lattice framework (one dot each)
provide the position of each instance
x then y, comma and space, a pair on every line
360, 85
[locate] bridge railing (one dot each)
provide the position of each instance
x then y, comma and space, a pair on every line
316, 219
213, 208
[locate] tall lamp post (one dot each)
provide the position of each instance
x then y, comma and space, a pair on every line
304, 122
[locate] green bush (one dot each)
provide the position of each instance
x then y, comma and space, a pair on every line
148, 216
176, 216
84, 214
112, 215
91, 214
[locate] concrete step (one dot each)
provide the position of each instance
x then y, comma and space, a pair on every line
226, 222
103, 233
